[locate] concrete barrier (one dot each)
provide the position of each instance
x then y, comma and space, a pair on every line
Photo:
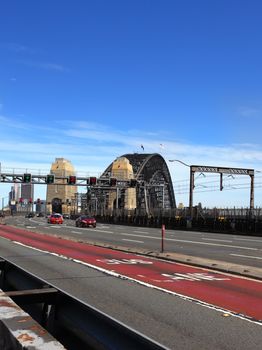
18, 331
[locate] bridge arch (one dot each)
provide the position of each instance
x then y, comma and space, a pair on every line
155, 190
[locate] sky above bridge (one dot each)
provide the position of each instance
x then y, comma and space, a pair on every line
92, 80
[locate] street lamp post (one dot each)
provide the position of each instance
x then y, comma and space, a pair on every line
179, 161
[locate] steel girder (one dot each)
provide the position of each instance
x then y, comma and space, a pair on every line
155, 189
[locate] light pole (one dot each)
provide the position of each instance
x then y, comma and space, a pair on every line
179, 161
191, 185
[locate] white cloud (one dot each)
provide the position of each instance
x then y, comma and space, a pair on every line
10, 122
92, 147
18, 48
249, 112
44, 65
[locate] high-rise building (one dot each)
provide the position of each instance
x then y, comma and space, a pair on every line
14, 196
27, 195
17, 192
27, 192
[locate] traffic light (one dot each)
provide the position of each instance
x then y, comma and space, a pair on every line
71, 180
113, 181
92, 181
133, 182
50, 179
27, 178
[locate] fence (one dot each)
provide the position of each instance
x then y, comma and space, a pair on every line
239, 221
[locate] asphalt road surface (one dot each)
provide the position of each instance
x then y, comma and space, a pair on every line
237, 249
170, 317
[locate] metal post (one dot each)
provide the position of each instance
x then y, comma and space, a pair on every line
192, 174
162, 240
146, 203
87, 200
252, 192
163, 206
117, 197
221, 181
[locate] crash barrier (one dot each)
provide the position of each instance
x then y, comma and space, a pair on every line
70, 321
19, 331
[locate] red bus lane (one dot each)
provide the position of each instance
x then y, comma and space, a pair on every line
240, 296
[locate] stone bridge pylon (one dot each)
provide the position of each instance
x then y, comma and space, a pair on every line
60, 198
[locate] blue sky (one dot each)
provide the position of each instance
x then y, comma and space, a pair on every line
92, 80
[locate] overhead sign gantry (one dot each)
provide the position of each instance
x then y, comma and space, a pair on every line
51, 179
221, 171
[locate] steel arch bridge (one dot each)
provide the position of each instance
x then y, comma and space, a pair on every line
155, 189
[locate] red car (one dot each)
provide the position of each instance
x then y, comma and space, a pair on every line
85, 221
55, 219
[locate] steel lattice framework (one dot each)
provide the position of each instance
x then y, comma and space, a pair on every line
155, 189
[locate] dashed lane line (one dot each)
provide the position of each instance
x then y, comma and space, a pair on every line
193, 242
247, 256
79, 233
218, 240
132, 240
140, 232
249, 240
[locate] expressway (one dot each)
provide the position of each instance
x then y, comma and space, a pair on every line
234, 249
179, 306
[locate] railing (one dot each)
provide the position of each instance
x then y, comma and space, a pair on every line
237, 221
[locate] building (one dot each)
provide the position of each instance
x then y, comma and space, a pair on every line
14, 196
27, 196
60, 196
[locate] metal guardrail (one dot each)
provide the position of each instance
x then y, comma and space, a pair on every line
72, 322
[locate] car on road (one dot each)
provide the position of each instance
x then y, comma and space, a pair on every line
66, 216
85, 221
55, 219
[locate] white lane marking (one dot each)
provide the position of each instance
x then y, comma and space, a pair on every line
183, 232
140, 232
193, 242
30, 226
219, 240
247, 256
79, 233
143, 228
87, 229
118, 275
249, 240
132, 240
98, 230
